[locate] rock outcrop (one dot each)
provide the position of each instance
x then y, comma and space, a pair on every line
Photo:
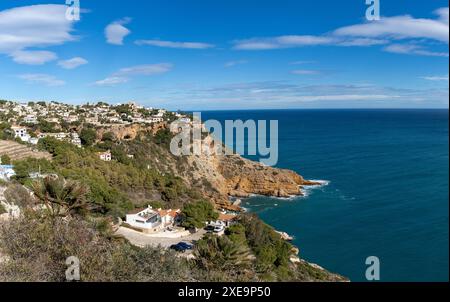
233, 175
130, 132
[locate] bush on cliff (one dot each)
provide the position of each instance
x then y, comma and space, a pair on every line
195, 214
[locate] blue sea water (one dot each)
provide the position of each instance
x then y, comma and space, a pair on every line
387, 194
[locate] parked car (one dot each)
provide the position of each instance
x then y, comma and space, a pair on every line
181, 247
219, 229
209, 228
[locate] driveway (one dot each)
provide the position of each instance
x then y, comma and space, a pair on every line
142, 240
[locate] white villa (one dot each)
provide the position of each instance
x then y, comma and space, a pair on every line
21, 132
152, 221
147, 220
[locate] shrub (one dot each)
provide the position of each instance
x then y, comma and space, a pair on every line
196, 214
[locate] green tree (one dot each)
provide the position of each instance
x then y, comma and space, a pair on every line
88, 136
5, 159
196, 214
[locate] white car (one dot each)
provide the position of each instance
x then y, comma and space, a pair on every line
219, 229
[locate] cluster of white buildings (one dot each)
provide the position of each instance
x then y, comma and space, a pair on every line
24, 116
24, 136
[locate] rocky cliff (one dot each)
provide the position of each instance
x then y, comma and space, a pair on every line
129, 132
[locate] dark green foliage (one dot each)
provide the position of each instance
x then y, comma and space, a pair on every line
88, 136
47, 127
23, 168
196, 214
271, 251
163, 137
5, 159
5, 131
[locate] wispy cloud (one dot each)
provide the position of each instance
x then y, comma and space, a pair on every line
382, 32
436, 78
45, 79
402, 27
146, 70
33, 57
125, 74
111, 81
413, 49
306, 72
72, 63
282, 42
35, 26
116, 32
234, 63
172, 44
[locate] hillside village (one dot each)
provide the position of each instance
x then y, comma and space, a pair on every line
32, 121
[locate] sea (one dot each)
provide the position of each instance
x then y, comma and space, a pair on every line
384, 192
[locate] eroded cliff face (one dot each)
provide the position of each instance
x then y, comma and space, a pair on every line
233, 175
130, 132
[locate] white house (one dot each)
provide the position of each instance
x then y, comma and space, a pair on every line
20, 132
105, 156
6, 172
147, 220
168, 217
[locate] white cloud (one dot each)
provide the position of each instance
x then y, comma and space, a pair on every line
436, 78
72, 63
172, 44
35, 26
124, 74
305, 72
45, 79
234, 63
381, 32
282, 42
33, 57
116, 31
400, 27
413, 49
146, 70
111, 81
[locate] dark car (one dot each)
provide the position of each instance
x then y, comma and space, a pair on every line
181, 247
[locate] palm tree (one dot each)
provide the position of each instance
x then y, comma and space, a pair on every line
61, 198
222, 253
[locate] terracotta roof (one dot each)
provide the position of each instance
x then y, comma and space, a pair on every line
172, 213
226, 217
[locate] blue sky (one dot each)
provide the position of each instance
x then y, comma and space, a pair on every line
230, 54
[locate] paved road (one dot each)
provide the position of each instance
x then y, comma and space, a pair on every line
142, 240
